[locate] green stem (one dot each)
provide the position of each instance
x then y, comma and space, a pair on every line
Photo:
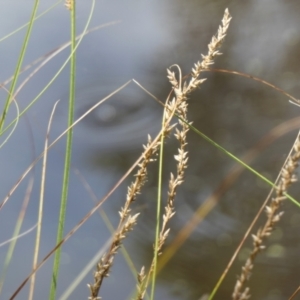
269, 182
25, 25
158, 209
19, 64
64, 194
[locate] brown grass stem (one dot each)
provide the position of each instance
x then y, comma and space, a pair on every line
295, 293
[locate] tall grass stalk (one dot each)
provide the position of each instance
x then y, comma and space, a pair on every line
19, 64
68, 155
158, 206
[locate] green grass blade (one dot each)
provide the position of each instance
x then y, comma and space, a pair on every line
269, 182
36, 18
68, 155
158, 209
19, 64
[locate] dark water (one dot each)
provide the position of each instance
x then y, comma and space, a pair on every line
263, 40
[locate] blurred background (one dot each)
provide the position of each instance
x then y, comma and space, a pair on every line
244, 116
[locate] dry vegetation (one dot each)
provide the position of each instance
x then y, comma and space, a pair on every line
179, 105
176, 105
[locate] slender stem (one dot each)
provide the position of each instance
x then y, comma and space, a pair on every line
41, 207
249, 230
158, 209
19, 64
236, 159
16, 234
64, 194
25, 25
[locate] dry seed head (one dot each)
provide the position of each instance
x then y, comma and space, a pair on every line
213, 51
69, 4
172, 78
268, 210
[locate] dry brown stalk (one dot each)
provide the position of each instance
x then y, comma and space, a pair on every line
295, 293
287, 177
179, 102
